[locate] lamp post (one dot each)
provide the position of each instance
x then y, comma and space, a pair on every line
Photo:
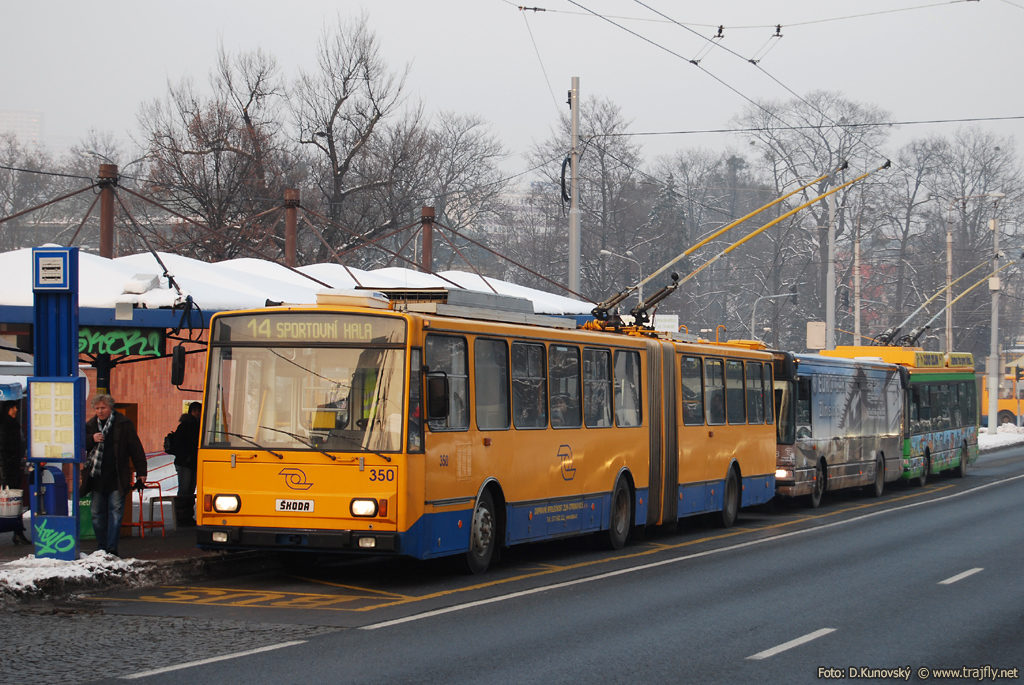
949, 261
753, 310
994, 372
639, 266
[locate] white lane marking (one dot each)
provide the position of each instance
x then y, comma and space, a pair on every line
960, 576
644, 567
166, 669
792, 643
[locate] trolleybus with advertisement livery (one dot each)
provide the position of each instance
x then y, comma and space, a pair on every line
839, 425
454, 423
940, 429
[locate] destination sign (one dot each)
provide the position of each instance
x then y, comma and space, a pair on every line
309, 327
929, 360
961, 359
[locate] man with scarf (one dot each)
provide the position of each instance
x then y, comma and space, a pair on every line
114, 448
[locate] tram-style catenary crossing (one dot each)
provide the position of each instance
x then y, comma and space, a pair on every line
432, 423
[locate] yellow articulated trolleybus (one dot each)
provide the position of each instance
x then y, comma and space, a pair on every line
446, 423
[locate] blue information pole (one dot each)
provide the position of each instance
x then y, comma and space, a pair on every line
56, 396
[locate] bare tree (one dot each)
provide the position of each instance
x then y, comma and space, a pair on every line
339, 111
219, 159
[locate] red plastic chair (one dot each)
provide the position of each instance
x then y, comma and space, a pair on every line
142, 524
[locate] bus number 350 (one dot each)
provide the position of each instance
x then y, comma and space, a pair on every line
382, 475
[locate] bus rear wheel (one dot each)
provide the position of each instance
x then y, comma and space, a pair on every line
877, 487
814, 499
730, 500
620, 516
961, 470
1006, 417
482, 535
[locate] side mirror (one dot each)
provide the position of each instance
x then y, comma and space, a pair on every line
178, 365
437, 397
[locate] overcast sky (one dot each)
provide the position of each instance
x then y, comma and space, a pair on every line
92, 65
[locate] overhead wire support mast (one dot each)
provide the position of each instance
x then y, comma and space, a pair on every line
602, 310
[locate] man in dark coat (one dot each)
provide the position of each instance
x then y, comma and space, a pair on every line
186, 454
108, 470
12, 454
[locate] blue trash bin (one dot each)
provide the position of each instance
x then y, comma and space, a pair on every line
55, 493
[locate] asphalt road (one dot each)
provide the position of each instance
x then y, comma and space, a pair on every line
921, 579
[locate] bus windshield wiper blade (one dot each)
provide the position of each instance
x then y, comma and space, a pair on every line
353, 440
301, 439
252, 442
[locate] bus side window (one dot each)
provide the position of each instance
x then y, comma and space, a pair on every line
628, 409
415, 437
597, 388
755, 393
714, 388
564, 374
803, 408
491, 381
529, 386
734, 394
448, 354
693, 391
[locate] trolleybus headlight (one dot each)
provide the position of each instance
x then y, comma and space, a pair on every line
367, 542
227, 504
783, 474
364, 507
220, 536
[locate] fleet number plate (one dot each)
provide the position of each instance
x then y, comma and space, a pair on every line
295, 505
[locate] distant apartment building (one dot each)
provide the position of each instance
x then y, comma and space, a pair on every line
28, 125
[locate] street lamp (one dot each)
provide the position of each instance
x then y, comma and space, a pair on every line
639, 266
949, 261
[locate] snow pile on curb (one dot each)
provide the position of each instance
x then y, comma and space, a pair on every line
1006, 435
39, 578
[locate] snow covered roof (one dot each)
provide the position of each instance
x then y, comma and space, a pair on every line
243, 283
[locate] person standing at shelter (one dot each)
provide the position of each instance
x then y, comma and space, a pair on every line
12, 455
108, 470
186, 455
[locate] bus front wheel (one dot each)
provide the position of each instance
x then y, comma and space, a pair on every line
482, 535
814, 499
926, 468
621, 516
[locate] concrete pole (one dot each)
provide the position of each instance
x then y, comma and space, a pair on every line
830, 278
107, 181
291, 206
949, 282
994, 372
574, 204
427, 222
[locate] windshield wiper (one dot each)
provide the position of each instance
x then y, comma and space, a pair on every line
357, 442
301, 439
252, 442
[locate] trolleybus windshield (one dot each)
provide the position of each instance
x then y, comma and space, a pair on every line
314, 381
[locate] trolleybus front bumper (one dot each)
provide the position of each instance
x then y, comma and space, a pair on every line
802, 483
247, 538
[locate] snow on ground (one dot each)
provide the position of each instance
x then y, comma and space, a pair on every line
31, 577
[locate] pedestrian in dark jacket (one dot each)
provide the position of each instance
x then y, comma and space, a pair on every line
108, 471
186, 453
12, 456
